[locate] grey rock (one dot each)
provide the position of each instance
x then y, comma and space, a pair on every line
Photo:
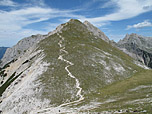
139, 47
20, 48
97, 32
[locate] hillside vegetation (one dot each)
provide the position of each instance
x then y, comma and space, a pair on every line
96, 63
73, 70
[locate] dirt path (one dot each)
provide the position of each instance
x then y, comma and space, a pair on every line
61, 108
69, 73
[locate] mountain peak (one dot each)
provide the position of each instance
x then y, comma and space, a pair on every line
87, 22
138, 45
60, 27
138, 39
129, 38
79, 25
97, 32
73, 20
134, 35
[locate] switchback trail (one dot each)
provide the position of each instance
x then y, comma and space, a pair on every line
69, 73
63, 52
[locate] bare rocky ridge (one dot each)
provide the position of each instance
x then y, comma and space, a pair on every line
138, 47
97, 32
23, 45
20, 48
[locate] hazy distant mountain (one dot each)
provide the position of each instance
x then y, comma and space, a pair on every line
73, 69
140, 47
2, 51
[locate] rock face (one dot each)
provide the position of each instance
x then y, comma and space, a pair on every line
139, 47
23, 45
97, 32
64, 71
20, 48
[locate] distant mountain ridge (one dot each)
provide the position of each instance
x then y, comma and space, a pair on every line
139, 47
2, 51
20, 48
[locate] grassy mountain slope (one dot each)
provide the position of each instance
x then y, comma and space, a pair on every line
96, 63
72, 64
130, 95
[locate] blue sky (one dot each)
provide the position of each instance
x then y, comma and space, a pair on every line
22, 18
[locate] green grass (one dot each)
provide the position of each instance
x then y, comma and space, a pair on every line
120, 91
85, 51
78, 54
81, 45
143, 78
8, 82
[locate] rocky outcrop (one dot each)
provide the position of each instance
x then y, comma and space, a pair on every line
20, 48
139, 47
97, 32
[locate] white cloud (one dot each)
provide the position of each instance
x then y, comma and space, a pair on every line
7, 3
125, 9
13, 23
143, 24
37, 2
12, 37
108, 4
17, 19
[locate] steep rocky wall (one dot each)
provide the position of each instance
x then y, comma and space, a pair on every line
97, 32
138, 47
20, 48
